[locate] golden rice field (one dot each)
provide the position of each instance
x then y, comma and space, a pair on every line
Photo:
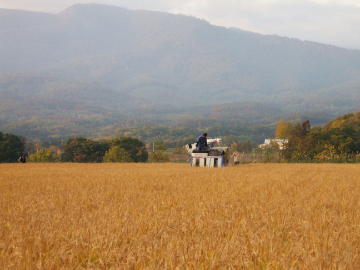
171, 216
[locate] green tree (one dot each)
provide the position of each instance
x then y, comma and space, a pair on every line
245, 147
43, 155
344, 139
158, 155
299, 145
11, 147
79, 149
134, 147
118, 154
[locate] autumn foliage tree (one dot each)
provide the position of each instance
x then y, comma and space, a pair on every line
337, 141
283, 130
42, 156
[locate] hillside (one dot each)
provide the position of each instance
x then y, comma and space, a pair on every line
24, 87
97, 70
44, 107
179, 60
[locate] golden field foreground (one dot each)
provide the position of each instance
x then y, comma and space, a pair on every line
167, 216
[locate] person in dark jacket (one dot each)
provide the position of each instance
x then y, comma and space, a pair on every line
22, 159
202, 142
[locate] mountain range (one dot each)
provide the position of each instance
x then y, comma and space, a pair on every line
106, 65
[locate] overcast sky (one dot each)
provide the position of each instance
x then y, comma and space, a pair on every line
335, 22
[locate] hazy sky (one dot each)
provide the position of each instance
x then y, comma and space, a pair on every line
334, 22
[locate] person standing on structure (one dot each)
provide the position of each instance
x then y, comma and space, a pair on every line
202, 142
236, 156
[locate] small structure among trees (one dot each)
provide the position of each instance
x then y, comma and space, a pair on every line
281, 143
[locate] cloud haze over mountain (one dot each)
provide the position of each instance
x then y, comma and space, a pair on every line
333, 22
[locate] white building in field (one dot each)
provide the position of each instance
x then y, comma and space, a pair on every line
280, 142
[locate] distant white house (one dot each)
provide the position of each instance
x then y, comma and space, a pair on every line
280, 142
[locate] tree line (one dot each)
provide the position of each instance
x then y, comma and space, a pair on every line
81, 150
336, 141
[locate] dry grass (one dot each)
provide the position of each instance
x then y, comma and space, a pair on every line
167, 216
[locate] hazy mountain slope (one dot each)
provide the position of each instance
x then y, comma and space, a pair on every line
11, 20
43, 107
337, 99
21, 87
175, 59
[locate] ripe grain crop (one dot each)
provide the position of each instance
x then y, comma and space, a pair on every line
168, 216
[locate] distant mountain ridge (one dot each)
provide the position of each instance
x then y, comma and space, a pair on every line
100, 66
174, 59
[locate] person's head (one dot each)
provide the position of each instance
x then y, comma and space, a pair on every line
204, 135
